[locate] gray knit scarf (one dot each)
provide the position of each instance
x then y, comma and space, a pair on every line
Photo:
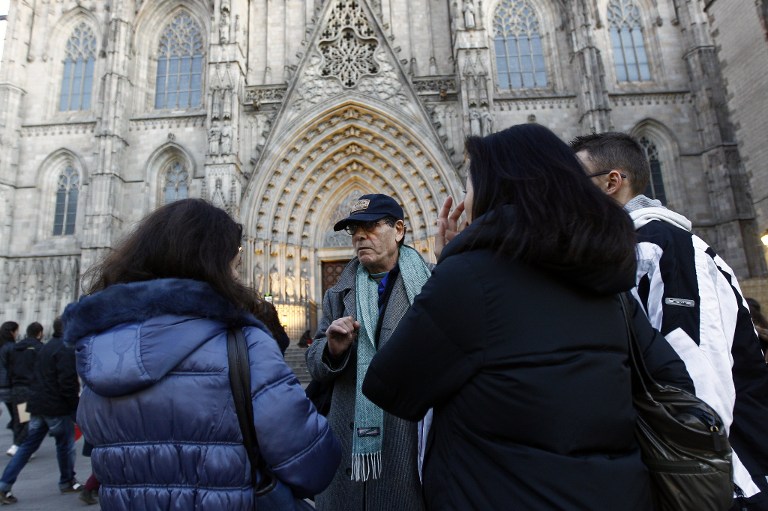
368, 433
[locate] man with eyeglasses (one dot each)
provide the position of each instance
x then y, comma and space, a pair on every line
379, 460
693, 298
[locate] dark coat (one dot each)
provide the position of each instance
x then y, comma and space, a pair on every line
23, 358
5, 373
399, 487
158, 407
56, 389
529, 380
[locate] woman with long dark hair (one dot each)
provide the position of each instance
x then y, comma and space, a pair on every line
151, 343
518, 341
8, 333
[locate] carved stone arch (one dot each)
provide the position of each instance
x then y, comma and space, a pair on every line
552, 15
650, 21
157, 167
669, 155
55, 50
148, 29
48, 179
315, 151
332, 210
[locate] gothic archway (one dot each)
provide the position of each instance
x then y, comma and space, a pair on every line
291, 204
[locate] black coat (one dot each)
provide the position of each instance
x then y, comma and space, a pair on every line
22, 361
5, 373
530, 384
56, 389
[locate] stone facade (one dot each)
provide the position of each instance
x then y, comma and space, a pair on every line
306, 104
740, 32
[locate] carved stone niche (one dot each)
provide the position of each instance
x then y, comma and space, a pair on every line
265, 96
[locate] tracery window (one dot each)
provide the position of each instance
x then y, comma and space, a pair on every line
348, 44
629, 56
176, 183
77, 82
517, 43
655, 189
66, 202
180, 64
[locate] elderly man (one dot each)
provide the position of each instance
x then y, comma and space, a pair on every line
692, 297
379, 462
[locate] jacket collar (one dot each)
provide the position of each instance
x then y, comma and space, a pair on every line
139, 301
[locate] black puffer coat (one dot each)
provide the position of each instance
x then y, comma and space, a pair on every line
527, 372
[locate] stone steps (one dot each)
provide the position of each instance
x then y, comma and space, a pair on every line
294, 357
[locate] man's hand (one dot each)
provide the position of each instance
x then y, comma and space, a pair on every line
340, 335
447, 224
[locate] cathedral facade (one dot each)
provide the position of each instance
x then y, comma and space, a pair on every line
283, 112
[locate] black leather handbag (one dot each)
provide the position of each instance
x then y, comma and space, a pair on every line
683, 441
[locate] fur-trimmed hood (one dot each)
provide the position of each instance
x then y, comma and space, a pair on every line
129, 336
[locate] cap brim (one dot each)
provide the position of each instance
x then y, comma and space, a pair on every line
363, 217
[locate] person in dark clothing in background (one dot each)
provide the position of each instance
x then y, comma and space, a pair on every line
267, 314
8, 332
22, 367
52, 404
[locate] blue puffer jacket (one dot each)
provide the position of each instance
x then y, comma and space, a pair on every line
158, 408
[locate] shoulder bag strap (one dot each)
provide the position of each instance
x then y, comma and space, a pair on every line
239, 381
640, 375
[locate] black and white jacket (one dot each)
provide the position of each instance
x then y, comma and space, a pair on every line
693, 298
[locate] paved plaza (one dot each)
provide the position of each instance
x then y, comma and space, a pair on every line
37, 487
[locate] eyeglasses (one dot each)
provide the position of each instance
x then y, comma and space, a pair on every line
604, 172
351, 229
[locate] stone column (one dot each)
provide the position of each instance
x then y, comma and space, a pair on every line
734, 230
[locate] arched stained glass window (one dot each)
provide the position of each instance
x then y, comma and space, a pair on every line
180, 64
176, 183
66, 202
518, 48
77, 82
655, 189
629, 57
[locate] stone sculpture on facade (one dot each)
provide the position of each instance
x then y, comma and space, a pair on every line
474, 123
226, 139
290, 286
258, 279
486, 120
469, 14
224, 27
214, 135
274, 281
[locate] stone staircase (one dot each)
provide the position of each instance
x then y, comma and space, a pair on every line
294, 357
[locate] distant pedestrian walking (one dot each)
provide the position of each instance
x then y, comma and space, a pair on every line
52, 404
22, 365
8, 332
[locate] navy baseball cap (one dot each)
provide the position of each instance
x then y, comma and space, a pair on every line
370, 208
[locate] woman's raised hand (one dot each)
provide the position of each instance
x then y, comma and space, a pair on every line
448, 225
